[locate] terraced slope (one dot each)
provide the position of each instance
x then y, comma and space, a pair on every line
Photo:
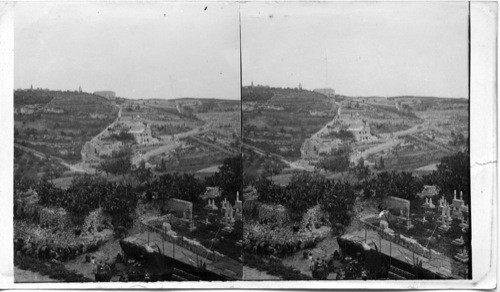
301, 101
59, 123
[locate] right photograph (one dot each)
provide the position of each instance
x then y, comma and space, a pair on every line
355, 130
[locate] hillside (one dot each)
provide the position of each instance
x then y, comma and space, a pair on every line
290, 100
58, 123
302, 101
278, 120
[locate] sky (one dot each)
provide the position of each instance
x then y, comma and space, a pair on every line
358, 48
138, 50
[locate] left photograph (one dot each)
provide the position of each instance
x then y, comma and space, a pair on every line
127, 136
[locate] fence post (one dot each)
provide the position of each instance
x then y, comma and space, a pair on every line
390, 252
148, 236
365, 233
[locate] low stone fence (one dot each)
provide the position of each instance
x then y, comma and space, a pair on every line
408, 243
189, 244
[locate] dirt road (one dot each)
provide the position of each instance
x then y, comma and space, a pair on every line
167, 148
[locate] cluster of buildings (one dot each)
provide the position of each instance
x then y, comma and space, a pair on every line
142, 134
98, 148
327, 140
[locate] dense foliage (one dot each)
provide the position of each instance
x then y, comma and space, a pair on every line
272, 167
50, 195
120, 202
123, 136
338, 201
119, 164
341, 134
453, 173
306, 190
88, 192
398, 184
179, 186
337, 161
85, 194
269, 192
228, 178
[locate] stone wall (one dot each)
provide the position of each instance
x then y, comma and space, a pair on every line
180, 207
398, 203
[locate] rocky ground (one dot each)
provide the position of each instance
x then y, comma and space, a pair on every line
24, 276
324, 249
250, 274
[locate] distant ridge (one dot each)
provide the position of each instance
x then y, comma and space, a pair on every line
289, 99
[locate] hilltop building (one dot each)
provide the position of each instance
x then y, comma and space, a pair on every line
106, 94
329, 92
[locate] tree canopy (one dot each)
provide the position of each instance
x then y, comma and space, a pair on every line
228, 178
453, 173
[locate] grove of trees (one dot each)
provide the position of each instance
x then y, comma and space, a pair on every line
337, 161
306, 190
89, 192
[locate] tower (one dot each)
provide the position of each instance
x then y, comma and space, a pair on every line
300, 86
31, 86
80, 89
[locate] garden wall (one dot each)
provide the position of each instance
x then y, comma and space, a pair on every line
398, 204
180, 208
